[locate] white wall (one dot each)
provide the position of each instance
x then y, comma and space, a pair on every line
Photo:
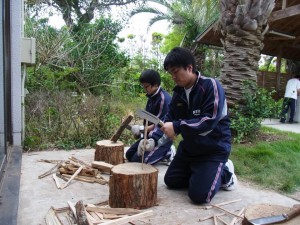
16, 28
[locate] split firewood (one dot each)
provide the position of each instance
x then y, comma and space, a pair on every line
56, 181
51, 217
117, 211
91, 219
102, 166
231, 213
87, 179
241, 212
50, 161
215, 220
223, 221
222, 203
62, 177
217, 215
128, 219
73, 210
51, 171
74, 175
81, 214
80, 162
71, 169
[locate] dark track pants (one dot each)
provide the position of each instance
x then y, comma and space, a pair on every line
203, 179
288, 103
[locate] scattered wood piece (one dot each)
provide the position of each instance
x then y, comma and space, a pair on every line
80, 162
51, 171
87, 179
233, 221
56, 181
81, 214
72, 207
71, 168
117, 211
223, 221
51, 218
50, 161
217, 215
122, 127
127, 219
223, 203
209, 217
215, 220
62, 177
231, 213
74, 175
102, 166
91, 219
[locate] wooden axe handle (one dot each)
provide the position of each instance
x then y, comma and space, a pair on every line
118, 133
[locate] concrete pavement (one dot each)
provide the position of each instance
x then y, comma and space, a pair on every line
174, 207
274, 123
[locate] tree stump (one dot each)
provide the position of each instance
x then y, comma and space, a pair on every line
131, 186
110, 152
263, 210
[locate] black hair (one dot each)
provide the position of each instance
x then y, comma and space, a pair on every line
179, 57
150, 76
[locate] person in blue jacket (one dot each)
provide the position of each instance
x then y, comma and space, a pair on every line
198, 111
157, 104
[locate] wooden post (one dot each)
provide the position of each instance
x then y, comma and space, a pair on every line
109, 152
130, 186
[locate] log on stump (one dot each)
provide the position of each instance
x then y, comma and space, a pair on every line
263, 210
110, 152
130, 186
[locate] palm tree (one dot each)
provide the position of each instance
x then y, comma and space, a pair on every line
243, 23
190, 16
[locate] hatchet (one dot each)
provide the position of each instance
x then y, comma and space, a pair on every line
153, 119
278, 218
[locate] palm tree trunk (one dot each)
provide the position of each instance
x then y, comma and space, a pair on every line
242, 29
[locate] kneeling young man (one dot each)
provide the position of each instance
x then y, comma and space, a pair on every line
157, 104
198, 111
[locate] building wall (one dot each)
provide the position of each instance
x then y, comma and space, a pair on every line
16, 29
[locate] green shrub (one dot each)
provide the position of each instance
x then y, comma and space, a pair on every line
258, 104
64, 120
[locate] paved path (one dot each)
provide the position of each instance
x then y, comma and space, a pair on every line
174, 207
274, 123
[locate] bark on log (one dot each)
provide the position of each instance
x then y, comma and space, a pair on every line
118, 133
130, 186
263, 210
109, 152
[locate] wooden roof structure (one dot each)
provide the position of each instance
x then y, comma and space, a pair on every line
282, 38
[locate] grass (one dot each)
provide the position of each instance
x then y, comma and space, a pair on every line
272, 164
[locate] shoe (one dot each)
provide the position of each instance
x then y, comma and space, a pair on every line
231, 185
172, 154
293, 121
282, 120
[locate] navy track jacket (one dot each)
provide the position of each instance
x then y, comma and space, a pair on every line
203, 122
158, 105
